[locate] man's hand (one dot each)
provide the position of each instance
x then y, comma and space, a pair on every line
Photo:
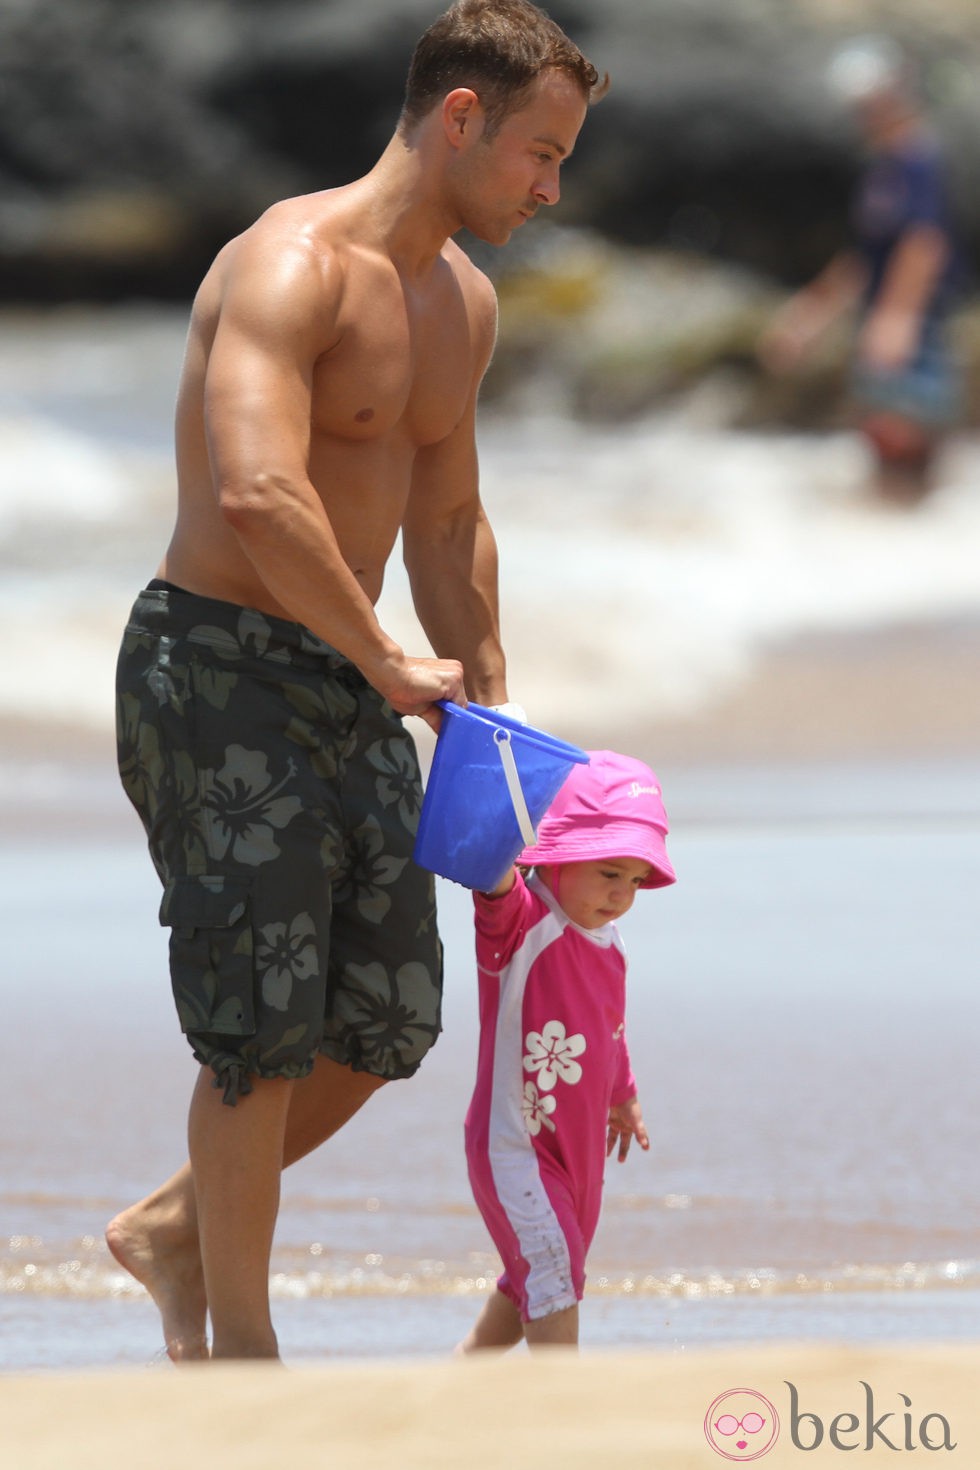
412, 686
889, 340
781, 347
625, 1124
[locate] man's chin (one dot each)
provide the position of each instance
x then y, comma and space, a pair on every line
493, 236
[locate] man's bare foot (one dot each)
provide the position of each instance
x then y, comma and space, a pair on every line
163, 1256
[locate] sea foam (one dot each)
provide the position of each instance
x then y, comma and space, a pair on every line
644, 566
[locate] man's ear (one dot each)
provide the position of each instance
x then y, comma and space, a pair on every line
461, 114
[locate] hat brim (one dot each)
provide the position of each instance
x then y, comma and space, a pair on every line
577, 848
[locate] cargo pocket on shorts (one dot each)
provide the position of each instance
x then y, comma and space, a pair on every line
211, 962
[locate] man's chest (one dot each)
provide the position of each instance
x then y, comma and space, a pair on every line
404, 363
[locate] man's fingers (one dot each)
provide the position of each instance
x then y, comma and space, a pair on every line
422, 683
432, 715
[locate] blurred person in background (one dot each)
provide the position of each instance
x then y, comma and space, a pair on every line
899, 273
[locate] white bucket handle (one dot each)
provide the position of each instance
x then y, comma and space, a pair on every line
511, 776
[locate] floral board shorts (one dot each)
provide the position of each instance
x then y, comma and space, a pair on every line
280, 796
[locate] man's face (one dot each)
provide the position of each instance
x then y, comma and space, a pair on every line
503, 180
882, 116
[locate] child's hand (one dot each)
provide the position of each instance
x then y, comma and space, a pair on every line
626, 1123
505, 885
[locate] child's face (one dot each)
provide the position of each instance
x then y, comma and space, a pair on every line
596, 893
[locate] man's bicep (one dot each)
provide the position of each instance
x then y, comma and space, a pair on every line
255, 401
259, 379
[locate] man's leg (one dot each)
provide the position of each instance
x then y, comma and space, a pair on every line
236, 1159
157, 1240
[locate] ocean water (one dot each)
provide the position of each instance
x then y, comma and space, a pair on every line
803, 1004
802, 1018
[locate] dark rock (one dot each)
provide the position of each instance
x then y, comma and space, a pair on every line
135, 138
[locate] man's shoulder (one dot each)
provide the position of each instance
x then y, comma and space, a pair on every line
475, 287
312, 225
289, 250
467, 272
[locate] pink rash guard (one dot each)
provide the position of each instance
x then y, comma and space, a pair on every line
552, 1060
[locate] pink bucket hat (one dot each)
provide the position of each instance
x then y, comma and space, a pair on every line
610, 808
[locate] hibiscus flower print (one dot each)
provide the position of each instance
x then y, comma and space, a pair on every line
141, 765
244, 808
535, 1109
371, 871
320, 713
252, 637
397, 780
384, 1010
284, 954
552, 1055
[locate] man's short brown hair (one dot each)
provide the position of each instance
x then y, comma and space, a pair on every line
498, 48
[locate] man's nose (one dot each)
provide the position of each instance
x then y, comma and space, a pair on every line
547, 190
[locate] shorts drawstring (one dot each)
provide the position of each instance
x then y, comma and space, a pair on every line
234, 1079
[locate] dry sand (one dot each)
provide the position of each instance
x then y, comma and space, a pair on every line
637, 1410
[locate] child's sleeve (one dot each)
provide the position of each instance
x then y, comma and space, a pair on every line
501, 924
624, 1083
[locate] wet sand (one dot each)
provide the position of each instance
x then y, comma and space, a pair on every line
902, 691
634, 1410
898, 693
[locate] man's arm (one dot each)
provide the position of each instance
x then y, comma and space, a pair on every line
449, 547
810, 312
258, 416
890, 336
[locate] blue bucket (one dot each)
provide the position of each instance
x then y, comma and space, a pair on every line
492, 780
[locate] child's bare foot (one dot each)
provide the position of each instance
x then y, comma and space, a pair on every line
164, 1258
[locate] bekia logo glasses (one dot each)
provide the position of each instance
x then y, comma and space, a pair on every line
742, 1425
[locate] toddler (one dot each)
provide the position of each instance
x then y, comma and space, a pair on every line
554, 1090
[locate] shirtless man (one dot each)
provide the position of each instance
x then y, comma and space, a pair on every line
327, 401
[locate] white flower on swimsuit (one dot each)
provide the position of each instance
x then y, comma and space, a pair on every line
552, 1055
535, 1109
